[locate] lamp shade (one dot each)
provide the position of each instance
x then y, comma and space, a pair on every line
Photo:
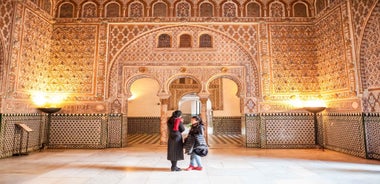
315, 109
49, 109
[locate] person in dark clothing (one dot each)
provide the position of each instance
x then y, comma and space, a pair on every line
194, 140
175, 142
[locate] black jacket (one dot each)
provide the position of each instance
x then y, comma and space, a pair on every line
195, 139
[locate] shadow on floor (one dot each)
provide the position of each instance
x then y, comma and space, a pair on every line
122, 168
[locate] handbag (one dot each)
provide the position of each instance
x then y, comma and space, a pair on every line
201, 150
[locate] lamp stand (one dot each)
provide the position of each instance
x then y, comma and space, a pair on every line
316, 110
48, 111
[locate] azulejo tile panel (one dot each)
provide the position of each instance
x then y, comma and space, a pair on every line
280, 130
345, 132
252, 133
78, 131
10, 142
143, 125
226, 125
372, 132
115, 131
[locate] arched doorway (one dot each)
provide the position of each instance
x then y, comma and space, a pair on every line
183, 96
224, 128
190, 106
143, 113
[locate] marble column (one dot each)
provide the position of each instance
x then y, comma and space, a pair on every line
204, 115
163, 121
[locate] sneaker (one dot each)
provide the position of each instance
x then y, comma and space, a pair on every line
190, 168
198, 168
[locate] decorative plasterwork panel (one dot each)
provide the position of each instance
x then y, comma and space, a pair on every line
33, 73
74, 64
370, 52
360, 11
16, 47
370, 62
6, 16
331, 53
293, 63
371, 101
120, 35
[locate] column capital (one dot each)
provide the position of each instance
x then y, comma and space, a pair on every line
204, 95
163, 95
164, 101
203, 100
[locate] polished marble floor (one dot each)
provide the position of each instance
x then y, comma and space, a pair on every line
147, 164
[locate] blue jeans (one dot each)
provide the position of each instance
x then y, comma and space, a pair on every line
195, 158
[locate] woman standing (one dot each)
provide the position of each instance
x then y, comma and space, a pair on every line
195, 140
175, 144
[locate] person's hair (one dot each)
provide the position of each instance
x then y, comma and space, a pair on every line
199, 119
176, 114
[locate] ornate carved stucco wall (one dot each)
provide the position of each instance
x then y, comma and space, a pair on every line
227, 57
336, 66
360, 12
289, 65
6, 19
78, 65
282, 55
370, 62
30, 54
